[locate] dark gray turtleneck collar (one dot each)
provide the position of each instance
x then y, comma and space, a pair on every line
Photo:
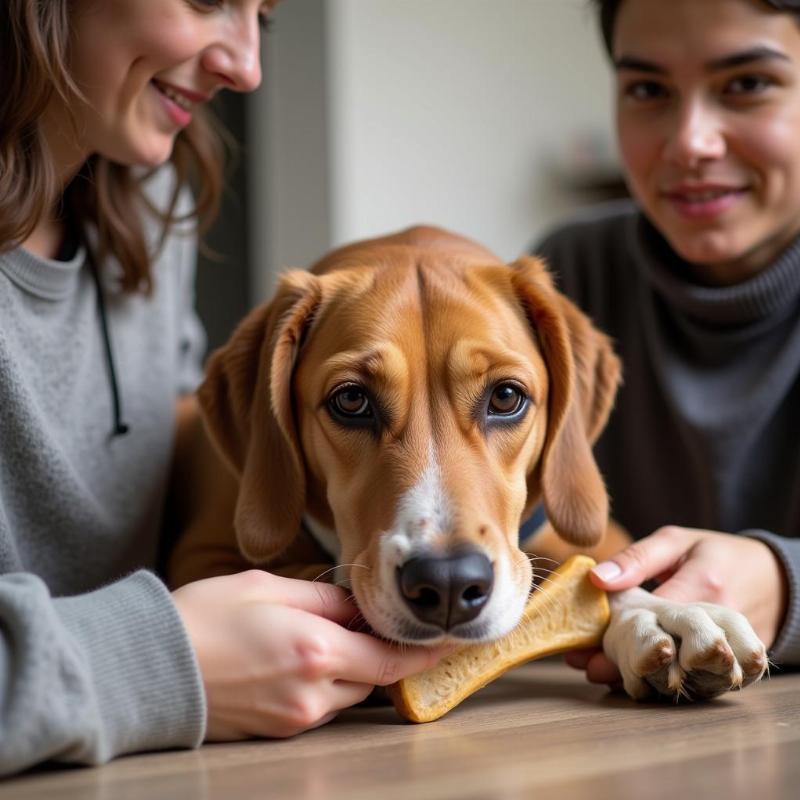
769, 295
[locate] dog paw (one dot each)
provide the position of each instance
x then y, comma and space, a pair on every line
692, 650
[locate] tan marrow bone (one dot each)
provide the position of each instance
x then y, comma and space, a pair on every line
566, 612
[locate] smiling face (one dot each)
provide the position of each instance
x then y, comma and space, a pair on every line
708, 118
143, 67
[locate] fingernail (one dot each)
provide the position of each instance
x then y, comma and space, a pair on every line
607, 570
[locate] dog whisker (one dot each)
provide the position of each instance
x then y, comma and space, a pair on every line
527, 614
358, 623
549, 598
543, 579
336, 566
543, 572
538, 570
533, 558
323, 574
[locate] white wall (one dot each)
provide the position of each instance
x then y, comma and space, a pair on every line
288, 141
450, 112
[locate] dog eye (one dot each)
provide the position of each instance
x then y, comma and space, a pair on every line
351, 401
506, 400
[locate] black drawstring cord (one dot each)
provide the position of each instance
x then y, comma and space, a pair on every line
120, 427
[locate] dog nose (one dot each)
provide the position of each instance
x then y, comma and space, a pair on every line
446, 591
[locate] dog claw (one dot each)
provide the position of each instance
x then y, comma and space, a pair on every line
701, 650
718, 659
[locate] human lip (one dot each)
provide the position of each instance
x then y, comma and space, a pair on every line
702, 201
179, 101
186, 98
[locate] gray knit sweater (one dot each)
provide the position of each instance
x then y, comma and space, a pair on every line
706, 428
94, 660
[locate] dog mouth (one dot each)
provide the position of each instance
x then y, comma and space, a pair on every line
414, 633
389, 619
424, 614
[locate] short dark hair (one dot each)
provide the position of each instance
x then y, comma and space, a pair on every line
607, 11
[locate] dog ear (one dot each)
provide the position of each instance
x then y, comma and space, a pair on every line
584, 375
247, 404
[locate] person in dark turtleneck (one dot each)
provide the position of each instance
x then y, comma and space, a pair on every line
697, 279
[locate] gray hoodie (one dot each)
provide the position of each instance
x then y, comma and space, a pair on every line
94, 659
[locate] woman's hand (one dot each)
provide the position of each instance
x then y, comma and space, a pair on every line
276, 655
699, 566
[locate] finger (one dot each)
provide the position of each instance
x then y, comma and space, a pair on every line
322, 599
696, 581
325, 600
365, 659
279, 729
643, 560
601, 670
324, 721
341, 695
579, 659
344, 694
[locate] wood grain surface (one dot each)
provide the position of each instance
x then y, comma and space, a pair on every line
539, 732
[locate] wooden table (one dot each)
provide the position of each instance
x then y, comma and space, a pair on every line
540, 731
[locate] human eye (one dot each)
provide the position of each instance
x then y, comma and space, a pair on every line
644, 91
265, 21
750, 84
265, 15
205, 5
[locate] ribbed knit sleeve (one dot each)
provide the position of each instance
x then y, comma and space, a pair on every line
87, 678
786, 649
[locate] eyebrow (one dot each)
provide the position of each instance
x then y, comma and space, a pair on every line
753, 54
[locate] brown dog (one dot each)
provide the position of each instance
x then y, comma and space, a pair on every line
397, 411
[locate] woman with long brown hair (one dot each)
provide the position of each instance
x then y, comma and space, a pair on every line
103, 131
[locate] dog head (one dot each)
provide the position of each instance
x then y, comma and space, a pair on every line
410, 400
